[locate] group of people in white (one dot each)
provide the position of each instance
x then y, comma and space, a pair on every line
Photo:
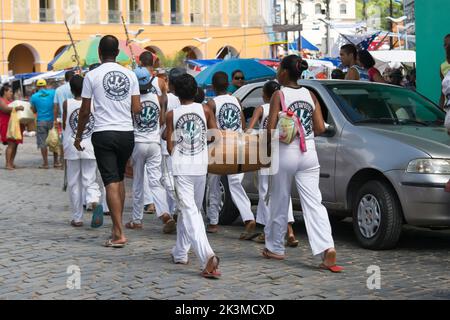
117, 114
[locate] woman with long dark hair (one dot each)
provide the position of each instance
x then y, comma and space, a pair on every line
298, 161
6, 97
366, 61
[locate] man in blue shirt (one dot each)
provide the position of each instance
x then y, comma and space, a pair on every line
42, 104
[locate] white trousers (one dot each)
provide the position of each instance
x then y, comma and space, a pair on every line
168, 182
262, 213
305, 170
190, 227
147, 157
238, 195
148, 197
82, 185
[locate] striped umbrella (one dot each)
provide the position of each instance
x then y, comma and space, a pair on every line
88, 53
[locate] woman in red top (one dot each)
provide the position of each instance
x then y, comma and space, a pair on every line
366, 61
6, 96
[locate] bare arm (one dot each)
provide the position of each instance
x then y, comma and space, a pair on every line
56, 111
162, 113
163, 98
442, 99
210, 117
257, 114
352, 74
83, 118
377, 77
4, 108
136, 107
64, 115
242, 115
318, 122
212, 106
169, 131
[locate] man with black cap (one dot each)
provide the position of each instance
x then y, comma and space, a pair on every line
147, 155
114, 91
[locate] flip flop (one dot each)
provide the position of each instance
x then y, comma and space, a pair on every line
132, 225
270, 255
333, 268
110, 244
260, 238
97, 217
292, 243
248, 235
215, 274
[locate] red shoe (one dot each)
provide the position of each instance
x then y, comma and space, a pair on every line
215, 273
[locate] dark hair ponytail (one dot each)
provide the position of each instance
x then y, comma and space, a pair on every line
295, 66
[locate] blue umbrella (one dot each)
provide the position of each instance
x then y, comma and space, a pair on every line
253, 71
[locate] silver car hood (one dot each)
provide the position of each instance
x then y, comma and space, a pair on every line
433, 140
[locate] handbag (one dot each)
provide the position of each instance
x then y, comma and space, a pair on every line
289, 125
14, 132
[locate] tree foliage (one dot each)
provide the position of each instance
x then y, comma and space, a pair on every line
378, 9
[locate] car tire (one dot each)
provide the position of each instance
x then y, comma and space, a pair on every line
377, 216
228, 213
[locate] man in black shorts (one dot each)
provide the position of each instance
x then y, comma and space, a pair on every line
114, 91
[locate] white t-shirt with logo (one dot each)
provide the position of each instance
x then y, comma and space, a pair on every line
228, 113
302, 104
265, 116
155, 87
70, 153
146, 123
173, 102
190, 154
110, 86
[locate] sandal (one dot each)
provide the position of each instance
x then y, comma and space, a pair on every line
76, 224
110, 244
97, 216
292, 242
248, 235
330, 256
215, 273
149, 208
133, 225
170, 226
333, 268
270, 255
261, 238
212, 228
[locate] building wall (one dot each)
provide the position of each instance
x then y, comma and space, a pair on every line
43, 39
431, 28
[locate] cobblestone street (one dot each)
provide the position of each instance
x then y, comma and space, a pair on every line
38, 245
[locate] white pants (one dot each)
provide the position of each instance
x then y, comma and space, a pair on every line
262, 213
238, 195
82, 176
168, 182
148, 197
147, 157
305, 169
190, 227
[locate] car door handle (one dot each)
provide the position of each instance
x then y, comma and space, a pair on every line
325, 175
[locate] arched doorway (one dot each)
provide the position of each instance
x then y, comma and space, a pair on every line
60, 49
226, 51
192, 53
158, 52
22, 59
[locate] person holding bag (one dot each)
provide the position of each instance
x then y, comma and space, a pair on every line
297, 160
6, 97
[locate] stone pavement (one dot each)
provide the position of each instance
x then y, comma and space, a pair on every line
38, 246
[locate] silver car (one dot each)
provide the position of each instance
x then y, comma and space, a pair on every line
385, 159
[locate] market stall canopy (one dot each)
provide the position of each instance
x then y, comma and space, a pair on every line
400, 56
253, 71
46, 76
88, 53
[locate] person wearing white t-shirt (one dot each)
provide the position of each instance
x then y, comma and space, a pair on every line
81, 165
228, 112
147, 156
187, 143
114, 91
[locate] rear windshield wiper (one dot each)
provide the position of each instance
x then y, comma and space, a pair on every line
377, 120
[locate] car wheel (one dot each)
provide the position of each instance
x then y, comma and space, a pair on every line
228, 212
377, 216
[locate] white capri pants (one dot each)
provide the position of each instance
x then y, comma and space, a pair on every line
147, 157
168, 182
262, 213
190, 227
81, 181
305, 169
238, 195
148, 197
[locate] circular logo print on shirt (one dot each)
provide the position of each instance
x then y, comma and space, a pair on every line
230, 117
73, 123
147, 120
304, 111
191, 134
116, 85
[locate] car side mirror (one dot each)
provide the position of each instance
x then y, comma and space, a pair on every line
330, 131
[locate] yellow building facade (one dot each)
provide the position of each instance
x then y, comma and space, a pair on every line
33, 31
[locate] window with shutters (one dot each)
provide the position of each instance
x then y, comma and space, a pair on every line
21, 10
91, 12
215, 13
46, 11
254, 17
234, 12
196, 12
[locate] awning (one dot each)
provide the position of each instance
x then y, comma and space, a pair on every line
46, 75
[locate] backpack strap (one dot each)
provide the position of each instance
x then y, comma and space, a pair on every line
282, 100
